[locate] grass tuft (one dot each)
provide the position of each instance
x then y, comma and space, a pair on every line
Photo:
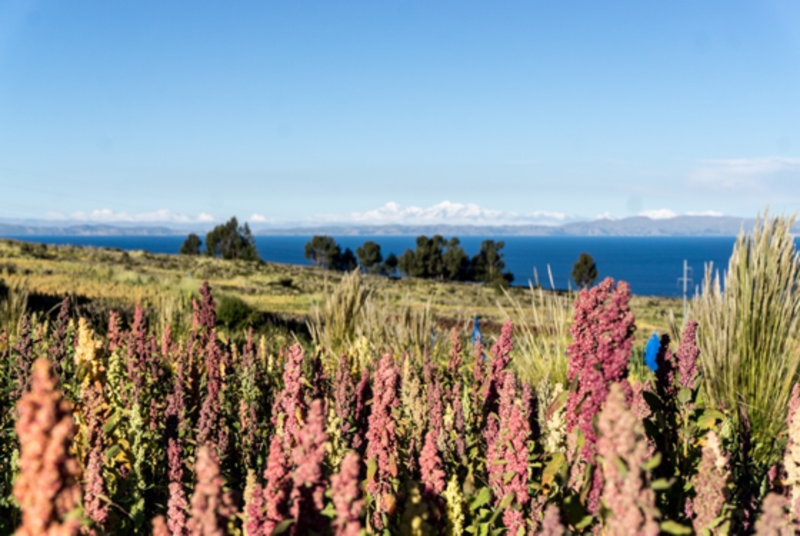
542, 335
748, 333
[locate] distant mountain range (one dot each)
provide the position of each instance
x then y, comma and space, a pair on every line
88, 229
634, 226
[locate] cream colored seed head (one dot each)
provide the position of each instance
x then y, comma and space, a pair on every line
86, 352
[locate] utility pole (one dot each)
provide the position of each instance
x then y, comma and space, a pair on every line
685, 280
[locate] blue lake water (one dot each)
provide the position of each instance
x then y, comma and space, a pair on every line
652, 265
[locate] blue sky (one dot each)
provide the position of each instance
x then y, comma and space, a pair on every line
286, 111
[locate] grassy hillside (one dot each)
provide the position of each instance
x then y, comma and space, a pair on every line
277, 294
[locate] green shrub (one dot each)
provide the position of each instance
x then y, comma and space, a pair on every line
233, 313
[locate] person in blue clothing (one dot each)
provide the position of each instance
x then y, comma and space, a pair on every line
651, 352
476, 334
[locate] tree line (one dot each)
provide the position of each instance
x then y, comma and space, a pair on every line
433, 258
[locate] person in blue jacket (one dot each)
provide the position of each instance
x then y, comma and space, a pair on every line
476, 334
651, 352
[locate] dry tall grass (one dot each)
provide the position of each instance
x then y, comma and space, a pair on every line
541, 354
409, 329
174, 309
353, 311
13, 304
333, 322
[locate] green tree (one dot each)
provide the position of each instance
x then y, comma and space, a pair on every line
346, 262
584, 271
437, 258
390, 265
488, 264
426, 260
231, 241
455, 262
191, 246
369, 257
407, 263
430, 253
323, 251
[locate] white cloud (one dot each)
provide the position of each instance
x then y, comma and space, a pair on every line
658, 214
744, 173
258, 218
711, 213
445, 212
605, 216
472, 214
106, 215
667, 214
